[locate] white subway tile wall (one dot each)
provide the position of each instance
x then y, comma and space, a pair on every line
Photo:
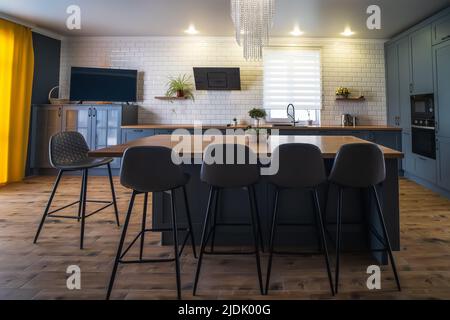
356, 64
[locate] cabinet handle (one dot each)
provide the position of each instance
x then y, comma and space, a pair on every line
446, 38
138, 130
94, 114
59, 112
89, 112
411, 87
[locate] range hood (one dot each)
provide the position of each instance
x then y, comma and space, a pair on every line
217, 78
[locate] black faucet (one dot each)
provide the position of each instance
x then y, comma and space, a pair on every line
291, 115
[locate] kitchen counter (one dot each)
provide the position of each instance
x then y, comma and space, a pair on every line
266, 126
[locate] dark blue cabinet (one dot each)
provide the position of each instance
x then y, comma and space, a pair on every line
421, 61
442, 92
134, 134
441, 30
392, 85
404, 82
443, 151
99, 124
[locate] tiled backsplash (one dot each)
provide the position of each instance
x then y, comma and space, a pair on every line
356, 64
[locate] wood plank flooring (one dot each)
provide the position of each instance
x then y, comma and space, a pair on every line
30, 271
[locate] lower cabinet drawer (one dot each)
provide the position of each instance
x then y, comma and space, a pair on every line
426, 168
134, 134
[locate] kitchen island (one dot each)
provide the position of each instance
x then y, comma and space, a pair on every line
359, 215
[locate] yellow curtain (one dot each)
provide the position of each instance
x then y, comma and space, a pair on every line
16, 81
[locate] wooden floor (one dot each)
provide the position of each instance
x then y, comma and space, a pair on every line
30, 271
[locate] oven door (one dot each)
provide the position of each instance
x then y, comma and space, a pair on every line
424, 142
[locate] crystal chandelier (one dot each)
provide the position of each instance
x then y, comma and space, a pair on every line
253, 20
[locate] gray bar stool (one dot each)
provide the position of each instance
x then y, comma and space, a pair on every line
69, 152
151, 169
300, 167
241, 173
360, 165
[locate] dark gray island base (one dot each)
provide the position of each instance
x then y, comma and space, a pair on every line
296, 207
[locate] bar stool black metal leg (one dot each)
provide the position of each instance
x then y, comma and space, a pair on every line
258, 219
175, 243
113, 192
255, 238
49, 204
214, 219
324, 241
204, 238
119, 249
338, 238
83, 210
272, 239
386, 237
317, 221
144, 221
188, 216
80, 205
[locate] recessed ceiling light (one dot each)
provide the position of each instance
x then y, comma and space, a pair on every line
191, 30
296, 32
347, 32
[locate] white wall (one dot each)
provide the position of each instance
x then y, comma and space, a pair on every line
357, 64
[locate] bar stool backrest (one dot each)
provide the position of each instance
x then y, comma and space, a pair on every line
150, 169
235, 166
67, 148
359, 165
300, 166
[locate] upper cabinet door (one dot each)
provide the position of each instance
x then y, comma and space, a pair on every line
442, 94
441, 30
392, 85
404, 78
422, 62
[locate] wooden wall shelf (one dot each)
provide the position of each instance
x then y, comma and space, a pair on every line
357, 99
171, 98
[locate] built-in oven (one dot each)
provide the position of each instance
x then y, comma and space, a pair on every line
422, 107
423, 126
424, 142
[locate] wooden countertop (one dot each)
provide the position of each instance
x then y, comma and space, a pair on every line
195, 145
267, 126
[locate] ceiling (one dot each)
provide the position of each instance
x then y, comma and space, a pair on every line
317, 18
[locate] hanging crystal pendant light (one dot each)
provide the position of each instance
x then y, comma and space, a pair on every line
253, 20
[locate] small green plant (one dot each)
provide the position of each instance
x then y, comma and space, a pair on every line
257, 114
180, 87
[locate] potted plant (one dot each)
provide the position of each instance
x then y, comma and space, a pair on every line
180, 87
342, 92
257, 115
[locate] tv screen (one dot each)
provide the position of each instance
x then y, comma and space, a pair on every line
94, 84
217, 78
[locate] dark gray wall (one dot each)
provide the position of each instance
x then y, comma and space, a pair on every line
47, 55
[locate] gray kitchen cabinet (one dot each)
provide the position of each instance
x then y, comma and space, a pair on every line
442, 91
408, 161
392, 85
443, 159
78, 118
441, 30
425, 168
421, 61
404, 80
390, 140
134, 134
100, 125
106, 128
47, 121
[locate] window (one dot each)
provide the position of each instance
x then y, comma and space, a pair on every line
293, 75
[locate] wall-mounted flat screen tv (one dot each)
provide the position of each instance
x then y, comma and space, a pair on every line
217, 78
95, 84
